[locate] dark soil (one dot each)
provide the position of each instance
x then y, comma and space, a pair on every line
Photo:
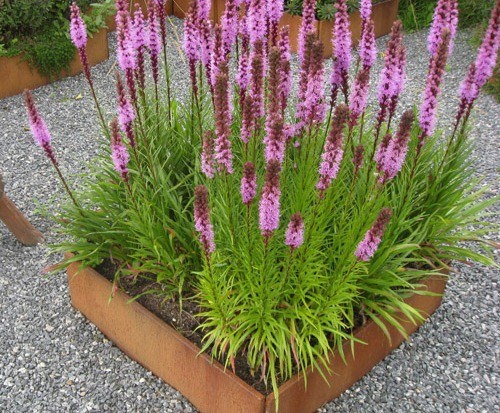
184, 319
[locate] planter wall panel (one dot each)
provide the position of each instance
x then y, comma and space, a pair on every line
16, 74
169, 355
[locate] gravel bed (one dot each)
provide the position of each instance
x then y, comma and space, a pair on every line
53, 360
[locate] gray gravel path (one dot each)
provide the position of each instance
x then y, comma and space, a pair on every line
53, 360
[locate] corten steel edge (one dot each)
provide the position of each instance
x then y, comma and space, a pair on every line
15, 221
17, 74
202, 380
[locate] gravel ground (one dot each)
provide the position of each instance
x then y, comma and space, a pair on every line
53, 360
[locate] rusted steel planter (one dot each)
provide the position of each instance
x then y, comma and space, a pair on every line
17, 74
172, 357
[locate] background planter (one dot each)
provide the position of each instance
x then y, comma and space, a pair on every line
17, 74
172, 357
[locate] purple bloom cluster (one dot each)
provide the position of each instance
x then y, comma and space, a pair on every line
126, 113
258, 58
359, 97
488, 51
285, 70
392, 151
77, 28
202, 222
307, 26
248, 184
445, 17
342, 43
274, 13
207, 154
428, 109
368, 246
223, 153
469, 90
332, 152
294, 236
365, 10
269, 206
367, 46
392, 76
256, 20
229, 24
119, 152
38, 128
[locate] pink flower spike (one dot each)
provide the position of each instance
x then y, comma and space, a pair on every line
488, 51
138, 30
368, 246
207, 155
342, 43
365, 10
38, 128
202, 222
294, 236
307, 26
445, 17
119, 152
256, 20
248, 184
78, 30
367, 45
269, 206
223, 152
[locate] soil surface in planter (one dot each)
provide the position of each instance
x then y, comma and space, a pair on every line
185, 319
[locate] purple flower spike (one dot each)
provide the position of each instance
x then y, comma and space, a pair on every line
428, 110
365, 10
126, 113
445, 17
332, 151
202, 222
223, 153
488, 51
468, 88
204, 7
119, 152
367, 46
342, 43
367, 248
274, 13
138, 30
307, 26
256, 20
126, 53
257, 83
359, 97
248, 184
294, 236
38, 128
78, 30
392, 152
269, 207
207, 155
285, 70
229, 24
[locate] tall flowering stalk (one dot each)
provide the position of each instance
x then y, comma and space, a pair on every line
78, 34
428, 109
160, 6
359, 97
248, 188
342, 43
139, 41
332, 152
269, 206
445, 17
368, 246
392, 151
126, 113
294, 236
207, 154
202, 222
307, 26
191, 44
274, 13
284, 69
119, 152
154, 42
229, 24
257, 78
43, 139
367, 46
257, 16
223, 152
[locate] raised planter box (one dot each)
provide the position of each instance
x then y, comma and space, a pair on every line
172, 357
17, 74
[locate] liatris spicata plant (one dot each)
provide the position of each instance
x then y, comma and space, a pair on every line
368, 246
278, 186
202, 222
